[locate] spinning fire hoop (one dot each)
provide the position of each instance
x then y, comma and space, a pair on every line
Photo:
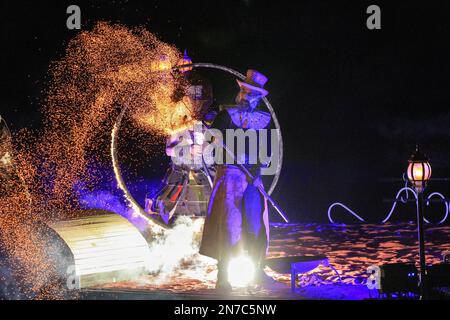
115, 137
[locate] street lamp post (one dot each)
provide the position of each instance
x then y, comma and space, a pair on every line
419, 172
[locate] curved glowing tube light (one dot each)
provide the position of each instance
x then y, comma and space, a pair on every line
397, 198
447, 205
346, 208
406, 189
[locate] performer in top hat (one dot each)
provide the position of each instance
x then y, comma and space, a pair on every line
237, 217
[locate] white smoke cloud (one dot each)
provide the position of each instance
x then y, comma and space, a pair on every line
176, 251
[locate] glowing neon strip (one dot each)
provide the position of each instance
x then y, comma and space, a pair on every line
397, 198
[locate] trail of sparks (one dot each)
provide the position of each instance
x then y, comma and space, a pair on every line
102, 71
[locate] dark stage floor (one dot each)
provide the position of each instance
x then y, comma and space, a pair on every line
350, 249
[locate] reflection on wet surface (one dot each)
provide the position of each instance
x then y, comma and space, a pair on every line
349, 248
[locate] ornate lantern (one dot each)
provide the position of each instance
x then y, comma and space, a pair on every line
186, 60
419, 170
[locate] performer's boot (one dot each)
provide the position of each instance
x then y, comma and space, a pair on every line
261, 278
222, 284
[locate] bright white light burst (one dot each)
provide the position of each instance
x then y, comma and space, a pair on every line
241, 271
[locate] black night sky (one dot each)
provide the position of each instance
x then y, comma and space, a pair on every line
352, 102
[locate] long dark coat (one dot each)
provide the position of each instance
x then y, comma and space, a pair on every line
237, 217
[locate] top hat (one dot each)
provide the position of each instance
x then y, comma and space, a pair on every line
254, 81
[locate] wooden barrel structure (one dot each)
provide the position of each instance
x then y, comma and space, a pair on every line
104, 247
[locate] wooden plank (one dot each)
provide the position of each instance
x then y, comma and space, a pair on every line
129, 253
105, 247
83, 224
117, 254
131, 240
103, 239
105, 227
96, 217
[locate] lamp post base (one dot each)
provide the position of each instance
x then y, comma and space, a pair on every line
420, 230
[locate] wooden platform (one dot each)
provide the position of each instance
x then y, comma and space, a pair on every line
105, 248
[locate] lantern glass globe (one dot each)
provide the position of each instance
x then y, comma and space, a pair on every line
419, 170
